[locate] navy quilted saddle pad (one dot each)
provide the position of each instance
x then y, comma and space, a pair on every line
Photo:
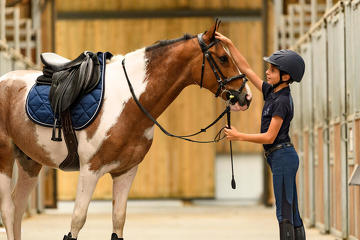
83, 111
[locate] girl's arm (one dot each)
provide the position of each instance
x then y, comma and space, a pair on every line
241, 61
263, 138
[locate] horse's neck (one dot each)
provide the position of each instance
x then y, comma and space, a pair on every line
167, 74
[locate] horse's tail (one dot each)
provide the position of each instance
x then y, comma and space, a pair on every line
6, 146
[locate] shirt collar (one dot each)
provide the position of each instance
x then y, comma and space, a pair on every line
285, 91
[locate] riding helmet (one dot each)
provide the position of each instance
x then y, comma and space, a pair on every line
289, 62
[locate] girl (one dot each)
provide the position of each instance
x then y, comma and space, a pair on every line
285, 66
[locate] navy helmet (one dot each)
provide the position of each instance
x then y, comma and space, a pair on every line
289, 62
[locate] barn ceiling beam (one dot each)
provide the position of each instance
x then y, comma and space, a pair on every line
176, 13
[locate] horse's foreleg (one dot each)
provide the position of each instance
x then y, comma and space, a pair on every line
6, 203
86, 185
28, 171
121, 188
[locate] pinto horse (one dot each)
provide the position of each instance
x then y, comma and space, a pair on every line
120, 136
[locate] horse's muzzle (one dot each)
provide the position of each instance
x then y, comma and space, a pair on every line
235, 96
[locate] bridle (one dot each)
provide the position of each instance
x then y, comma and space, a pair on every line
222, 81
220, 77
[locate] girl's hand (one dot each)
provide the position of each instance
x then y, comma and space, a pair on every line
223, 39
232, 134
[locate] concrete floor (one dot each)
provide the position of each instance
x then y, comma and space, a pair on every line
160, 220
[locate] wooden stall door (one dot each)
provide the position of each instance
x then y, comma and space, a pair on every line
335, 182
319, 177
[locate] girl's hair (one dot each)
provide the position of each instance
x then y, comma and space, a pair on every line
290, 80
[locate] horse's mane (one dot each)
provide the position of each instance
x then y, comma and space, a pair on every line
163, 43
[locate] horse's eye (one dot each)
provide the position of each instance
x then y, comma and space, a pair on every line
223, 59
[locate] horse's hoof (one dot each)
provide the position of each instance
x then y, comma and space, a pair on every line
115, 237
69, 237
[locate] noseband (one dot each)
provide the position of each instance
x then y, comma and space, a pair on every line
220, 77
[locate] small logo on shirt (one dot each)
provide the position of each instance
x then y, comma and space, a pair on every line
266, 111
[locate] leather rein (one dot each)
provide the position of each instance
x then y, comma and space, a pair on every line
222, 81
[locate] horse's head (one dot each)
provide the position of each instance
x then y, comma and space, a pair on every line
219, 72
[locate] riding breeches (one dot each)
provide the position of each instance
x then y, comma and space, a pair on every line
284, 164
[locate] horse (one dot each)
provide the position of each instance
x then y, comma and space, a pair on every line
120, 136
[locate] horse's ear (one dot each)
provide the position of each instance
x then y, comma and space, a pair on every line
210, 34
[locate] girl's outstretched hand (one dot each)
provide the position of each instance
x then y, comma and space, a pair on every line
232, 134
223, 39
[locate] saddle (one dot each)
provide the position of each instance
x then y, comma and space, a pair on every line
69, 81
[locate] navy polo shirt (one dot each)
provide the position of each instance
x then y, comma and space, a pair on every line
277, 104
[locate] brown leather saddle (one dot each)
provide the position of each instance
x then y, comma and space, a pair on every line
69, 81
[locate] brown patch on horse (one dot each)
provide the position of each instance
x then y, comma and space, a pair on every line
6, 151
21, 129
6, 156
92, 128
180, 63
126, 141
29, 166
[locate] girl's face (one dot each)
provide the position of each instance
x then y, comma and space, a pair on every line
272, 74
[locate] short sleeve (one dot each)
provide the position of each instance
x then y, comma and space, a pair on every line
281, 107
266, 89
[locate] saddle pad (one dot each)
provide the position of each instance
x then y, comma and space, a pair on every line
83, 112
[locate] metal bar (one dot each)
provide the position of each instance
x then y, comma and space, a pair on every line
329, 3
22, 32
302, 14
38, 47
17, 28
291, 24
2, 20
36, 21
245, 13
318, 24
278, 11
28, 38
22, 44
314, 11
10, 23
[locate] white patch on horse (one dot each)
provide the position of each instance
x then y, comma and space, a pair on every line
248, 90
5, 187
109, 167
117, 94
149, 133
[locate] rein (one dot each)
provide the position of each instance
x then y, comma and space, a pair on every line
183, 137
222, 81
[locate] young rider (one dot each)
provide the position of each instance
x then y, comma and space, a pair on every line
285, 66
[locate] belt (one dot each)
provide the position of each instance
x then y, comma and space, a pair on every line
277, 147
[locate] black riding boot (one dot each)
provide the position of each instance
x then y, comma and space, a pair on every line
115, 237
286, 230
300, 233
69, 237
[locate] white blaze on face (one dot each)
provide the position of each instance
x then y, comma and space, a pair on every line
248, 90
117, 94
